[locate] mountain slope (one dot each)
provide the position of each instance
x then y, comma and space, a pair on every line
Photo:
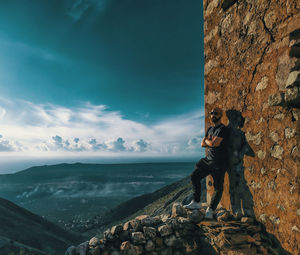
27, 228
155, 203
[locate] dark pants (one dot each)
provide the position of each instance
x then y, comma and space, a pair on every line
203, 168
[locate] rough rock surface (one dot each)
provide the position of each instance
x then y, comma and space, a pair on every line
179, 235
252, 65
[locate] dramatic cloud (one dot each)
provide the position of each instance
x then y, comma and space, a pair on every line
87, 128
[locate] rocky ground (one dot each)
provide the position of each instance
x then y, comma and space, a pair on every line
183, 232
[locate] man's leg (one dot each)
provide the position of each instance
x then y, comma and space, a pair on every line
218, 176
201, 171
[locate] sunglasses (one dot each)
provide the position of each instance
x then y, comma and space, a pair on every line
214, 113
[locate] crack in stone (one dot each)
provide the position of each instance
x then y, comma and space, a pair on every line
254, 72
265, 26
261, 57
260, 61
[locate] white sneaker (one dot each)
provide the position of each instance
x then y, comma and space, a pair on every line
192, 205
209, 214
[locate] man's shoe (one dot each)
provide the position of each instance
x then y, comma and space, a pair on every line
192, 205
209, 214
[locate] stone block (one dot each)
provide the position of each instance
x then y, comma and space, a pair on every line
276, 99
165, 230
132, 224
262, 84
94, 242
289, 132
274, 136
255, 138
292, 95
293, 79
276, 151
178, 210
116, 230
138, 238
151, 221
210, 65
261, 154
150, 232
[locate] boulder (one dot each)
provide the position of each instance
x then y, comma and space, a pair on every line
178, 210
138, 238
165, 230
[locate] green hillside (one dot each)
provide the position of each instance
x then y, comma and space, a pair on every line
24, 227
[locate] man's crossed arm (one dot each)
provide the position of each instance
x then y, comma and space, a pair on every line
211, 141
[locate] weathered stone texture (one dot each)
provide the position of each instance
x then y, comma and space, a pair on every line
252, 65
179, 235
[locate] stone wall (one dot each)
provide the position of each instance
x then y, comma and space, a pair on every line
182, 232
252, 51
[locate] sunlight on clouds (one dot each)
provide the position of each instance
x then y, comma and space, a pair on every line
2, 112
33, 128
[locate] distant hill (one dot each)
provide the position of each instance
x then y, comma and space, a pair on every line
81, 191
19, 228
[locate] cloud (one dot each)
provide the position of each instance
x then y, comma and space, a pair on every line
140, 145
5, 145
97, 146
117, 145
89, 128
79, 7
57, 139
194, 144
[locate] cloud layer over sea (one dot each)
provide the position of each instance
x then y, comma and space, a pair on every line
33, 129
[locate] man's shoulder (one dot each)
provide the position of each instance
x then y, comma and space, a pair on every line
221, 126
222, 130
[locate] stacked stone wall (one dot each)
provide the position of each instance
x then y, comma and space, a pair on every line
252, 51
182, 232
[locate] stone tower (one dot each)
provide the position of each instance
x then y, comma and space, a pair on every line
252, 63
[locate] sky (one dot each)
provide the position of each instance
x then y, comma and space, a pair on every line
101, 78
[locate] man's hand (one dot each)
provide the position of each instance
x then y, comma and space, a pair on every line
203, 143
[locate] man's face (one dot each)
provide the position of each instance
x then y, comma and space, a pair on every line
215, 116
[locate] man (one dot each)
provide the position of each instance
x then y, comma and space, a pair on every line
214, 164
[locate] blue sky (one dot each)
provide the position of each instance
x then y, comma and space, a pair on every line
101, 77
